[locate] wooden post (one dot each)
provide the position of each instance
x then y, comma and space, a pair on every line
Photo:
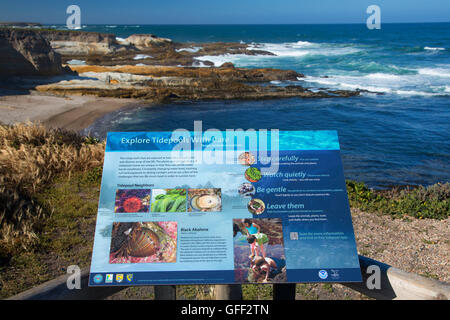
228, 292
165, 292
284, 291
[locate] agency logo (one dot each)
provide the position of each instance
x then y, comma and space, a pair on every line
98, 278
323, 274
109, 278
129, 277
334, 273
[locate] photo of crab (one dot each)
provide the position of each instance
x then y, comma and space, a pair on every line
259, 251
246, 159
143, 242
256, 206
205, 199
253, 174
132, 200
168, 200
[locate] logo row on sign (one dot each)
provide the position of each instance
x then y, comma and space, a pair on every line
109, 278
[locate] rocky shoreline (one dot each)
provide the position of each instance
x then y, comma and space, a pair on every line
142, 66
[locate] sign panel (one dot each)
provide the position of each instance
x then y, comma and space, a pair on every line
223, 207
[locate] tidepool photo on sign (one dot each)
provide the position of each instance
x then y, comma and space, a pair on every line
268, 213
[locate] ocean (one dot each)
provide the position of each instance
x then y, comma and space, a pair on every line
396, 134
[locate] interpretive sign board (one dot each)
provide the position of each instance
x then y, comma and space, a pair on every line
223, 207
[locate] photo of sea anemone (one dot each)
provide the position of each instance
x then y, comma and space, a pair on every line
132, 200
143, 242
205, 199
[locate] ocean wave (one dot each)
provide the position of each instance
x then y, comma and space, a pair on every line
434, 48
199, 64
297, 49
348, 83
406, 85
221, 59
384, 76
191, 49
303, 48
435, 72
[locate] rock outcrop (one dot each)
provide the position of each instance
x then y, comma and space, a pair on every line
162, 84
77, 43
26, 52
143, 41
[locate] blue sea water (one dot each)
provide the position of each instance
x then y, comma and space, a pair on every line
398, 133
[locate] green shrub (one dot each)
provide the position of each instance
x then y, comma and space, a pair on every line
419, 202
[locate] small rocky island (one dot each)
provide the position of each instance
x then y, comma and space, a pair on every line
142, 66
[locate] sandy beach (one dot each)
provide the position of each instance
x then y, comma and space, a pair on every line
68, 112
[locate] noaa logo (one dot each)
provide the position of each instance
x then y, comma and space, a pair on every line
98, 278
323, 274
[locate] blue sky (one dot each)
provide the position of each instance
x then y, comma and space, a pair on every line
225, 12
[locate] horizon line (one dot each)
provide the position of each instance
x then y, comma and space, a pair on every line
223, 24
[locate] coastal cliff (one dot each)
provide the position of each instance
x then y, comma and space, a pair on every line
26, 52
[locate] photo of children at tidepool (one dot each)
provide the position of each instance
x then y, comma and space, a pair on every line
258, 251
255, 238
265, 268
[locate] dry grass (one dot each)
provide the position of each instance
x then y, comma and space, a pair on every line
30, 157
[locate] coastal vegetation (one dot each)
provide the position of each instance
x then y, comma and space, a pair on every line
49, 188
419, 202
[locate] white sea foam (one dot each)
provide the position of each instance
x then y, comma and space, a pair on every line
435, 72
384, 76
434, 48
198, 63
76, 62
191, 49
304, 43
303, 48
348, 83
408, 85
220, 59
298, 49
141, 57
